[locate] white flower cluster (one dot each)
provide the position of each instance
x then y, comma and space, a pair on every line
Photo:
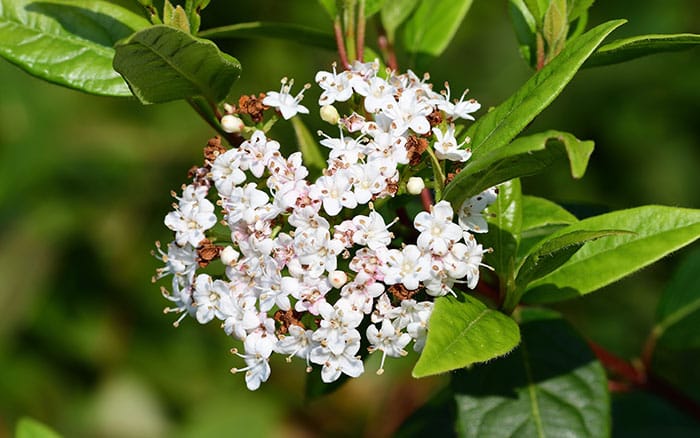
311, 265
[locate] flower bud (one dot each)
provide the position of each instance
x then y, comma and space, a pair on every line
330, 114
229, 256
337, 279
415, 185
231, 124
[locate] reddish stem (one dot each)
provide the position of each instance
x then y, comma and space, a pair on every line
360, 37
426, 199
340, 42
387, 50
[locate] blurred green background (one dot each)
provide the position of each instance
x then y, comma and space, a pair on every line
84, 184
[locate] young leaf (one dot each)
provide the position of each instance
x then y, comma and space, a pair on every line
463, 332
498, 127
635, 47
331, 7
541, 218
258, 29
550, 386
577, 8
525, 27
193, 9
373, 6
504, 230
432, 26
657, 230
524, 156
30, 428
309, 148
394, 13
67, 43
678, 314
162, 63
556, 27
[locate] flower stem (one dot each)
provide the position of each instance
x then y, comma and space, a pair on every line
361, 24
340, 42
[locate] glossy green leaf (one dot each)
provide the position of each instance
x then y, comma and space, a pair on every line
30, 428
505, 222
433, 24
463, 332
67, 43
541, 218
550, 386
394, 13
554, 251
162, 63
284, 31
523, 157
310, 150
635, 47
498, 127
678, 313
657, 230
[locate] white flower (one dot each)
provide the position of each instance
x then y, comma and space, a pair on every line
438, 232
207, 294
334, 191
415, 185
459, 109
409, 111
289, 106
298, 343
391, 341
378, 93
231, 124
470, 213
192, 217
371, 231
446, 147
334, 364
408, 266
226, 171
336, 87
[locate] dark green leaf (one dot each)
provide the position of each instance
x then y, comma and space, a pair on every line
432, 26
635, 47
67, 43
463, 332
678, 314
640, 414
162, 63
504, 231
498, 127
394, 13
657, 230
30, 428
434, 418
523, 157
284, 31
310, 149
550, 386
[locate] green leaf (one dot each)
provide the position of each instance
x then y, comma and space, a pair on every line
432, 26
310, 149
498, 127
523, 157
331, 7
555, 27
394, 13
635, 47
504, 231
162, 63
525, 26
373, 6
678, 314
284, 31
176, 17
577, 8
657, 230
550, 386
541, 218
30, 428
554, 251
463, 332
67, 44
193, 9
537, 8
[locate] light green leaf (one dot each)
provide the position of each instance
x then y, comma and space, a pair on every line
284, 31
537, 8
504, 231
550, 386
309, 148
541, 218
554, 251
523, 157
373, 6
555, 28
193, 9
30, 428
162, 63
68, 43
394, 13
433, 24
678, 314
657, 230
577, 8
463, 332
498, 127
331, 7
635, 47
176, 17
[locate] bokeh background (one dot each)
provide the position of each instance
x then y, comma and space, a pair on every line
84, 187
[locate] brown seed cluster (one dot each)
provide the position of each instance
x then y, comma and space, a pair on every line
400, 292
213, 149
415, 147
206, 252
252, 106
287, 318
